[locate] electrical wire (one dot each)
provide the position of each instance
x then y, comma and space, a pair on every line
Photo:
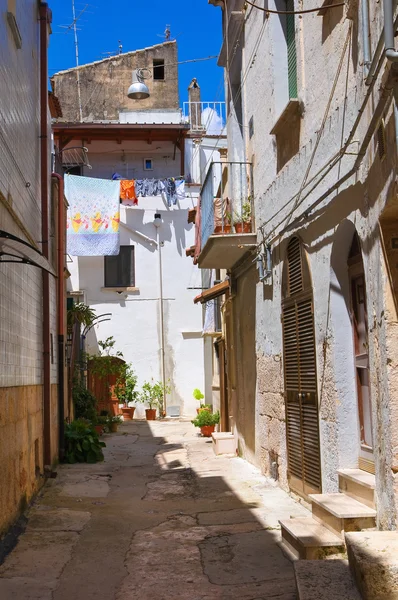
294, 12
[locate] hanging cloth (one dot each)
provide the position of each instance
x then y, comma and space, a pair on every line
170, 189
93, 216
127, 192
180, 189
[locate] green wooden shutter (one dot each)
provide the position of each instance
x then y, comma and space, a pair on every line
291, 50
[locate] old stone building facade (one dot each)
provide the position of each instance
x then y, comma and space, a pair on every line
311, 112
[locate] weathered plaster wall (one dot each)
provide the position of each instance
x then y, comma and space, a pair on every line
104, 85
282, 193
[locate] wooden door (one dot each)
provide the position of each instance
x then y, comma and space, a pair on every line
301, 398
224, 405
359, 321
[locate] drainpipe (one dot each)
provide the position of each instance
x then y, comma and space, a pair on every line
391, 53
366, 36
157, 222
45, 17
61, 314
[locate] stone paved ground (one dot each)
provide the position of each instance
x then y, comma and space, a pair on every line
162, 518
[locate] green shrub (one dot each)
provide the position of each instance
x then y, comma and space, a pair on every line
85, 403
82, 443
205, 418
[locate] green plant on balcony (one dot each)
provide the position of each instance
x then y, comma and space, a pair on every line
243, 218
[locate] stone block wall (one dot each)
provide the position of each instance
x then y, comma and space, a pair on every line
104, 85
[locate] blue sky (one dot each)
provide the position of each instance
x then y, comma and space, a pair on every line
195, 24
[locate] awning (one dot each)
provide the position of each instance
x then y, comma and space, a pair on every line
217, 290
15, 250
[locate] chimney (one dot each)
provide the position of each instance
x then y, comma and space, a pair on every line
195, 107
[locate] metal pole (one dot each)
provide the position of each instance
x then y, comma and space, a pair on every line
163, 370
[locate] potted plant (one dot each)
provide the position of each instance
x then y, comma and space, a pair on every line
113, 423
197, 394
152, 394
101, 424
206, 421
126, 392
243, 219
224, 225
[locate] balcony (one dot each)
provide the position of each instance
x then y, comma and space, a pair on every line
228, 230
206, 117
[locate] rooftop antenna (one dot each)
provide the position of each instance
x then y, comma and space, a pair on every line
79, 97
166, 35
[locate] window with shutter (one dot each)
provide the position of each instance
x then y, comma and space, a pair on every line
291, 50
119, 271
301, 401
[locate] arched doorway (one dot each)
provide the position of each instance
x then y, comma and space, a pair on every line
359, 322
299, 357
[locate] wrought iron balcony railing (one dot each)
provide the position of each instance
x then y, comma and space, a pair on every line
227, 200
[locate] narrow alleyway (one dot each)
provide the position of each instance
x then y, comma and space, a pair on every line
161, 518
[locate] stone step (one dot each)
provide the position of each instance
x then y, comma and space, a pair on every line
340, 513
325, 579
307, 539
223, 442
358, 484
373, 557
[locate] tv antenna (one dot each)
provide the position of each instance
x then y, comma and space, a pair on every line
166, 35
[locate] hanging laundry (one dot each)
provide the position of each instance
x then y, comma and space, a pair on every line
139, 187
180, 189
170, 185
127, 192
93, 217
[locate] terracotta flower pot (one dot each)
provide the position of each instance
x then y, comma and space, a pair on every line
207, 430
245, 227
128, 413
113, 427
150, 414
219, 229
99, 429
115, 407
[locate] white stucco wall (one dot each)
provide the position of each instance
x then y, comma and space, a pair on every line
135, 321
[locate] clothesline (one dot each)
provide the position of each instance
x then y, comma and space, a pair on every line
172, 189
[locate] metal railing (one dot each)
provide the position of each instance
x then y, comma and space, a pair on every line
206, 116
227, 200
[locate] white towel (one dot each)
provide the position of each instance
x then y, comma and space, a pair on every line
93, 216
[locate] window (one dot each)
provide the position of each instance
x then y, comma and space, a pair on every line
158, 69
148, 164
381, 140
119, 271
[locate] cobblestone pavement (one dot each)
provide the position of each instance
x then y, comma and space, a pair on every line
161, 518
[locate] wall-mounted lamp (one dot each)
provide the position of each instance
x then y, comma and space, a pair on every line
157, 220
138, 90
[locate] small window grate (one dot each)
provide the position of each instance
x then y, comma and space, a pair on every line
381, 140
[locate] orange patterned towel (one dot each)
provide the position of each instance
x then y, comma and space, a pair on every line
127, 192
